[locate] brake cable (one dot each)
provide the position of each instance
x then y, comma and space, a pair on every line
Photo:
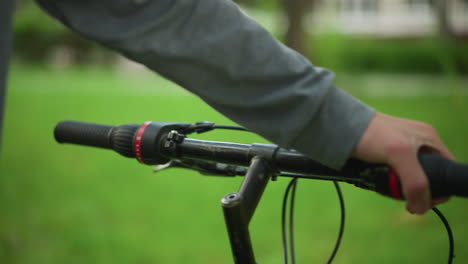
293, 185
205, 126
449, 233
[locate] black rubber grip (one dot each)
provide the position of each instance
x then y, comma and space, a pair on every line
446, 177
83, 134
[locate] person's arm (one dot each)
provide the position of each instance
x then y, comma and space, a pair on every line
214, 50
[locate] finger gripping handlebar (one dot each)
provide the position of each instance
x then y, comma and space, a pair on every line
445, 177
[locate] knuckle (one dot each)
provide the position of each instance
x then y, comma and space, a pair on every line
427, 128
416, 187
398, 147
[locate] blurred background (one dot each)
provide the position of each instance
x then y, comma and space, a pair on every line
71, 204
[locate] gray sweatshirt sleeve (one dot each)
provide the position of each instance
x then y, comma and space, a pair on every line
214, 50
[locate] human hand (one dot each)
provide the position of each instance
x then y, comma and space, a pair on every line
396, 142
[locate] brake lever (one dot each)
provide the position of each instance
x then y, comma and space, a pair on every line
205, 167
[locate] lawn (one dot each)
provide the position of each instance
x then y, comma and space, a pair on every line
71, 204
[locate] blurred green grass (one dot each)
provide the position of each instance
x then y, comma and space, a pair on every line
71, 204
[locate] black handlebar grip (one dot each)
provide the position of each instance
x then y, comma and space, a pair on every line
446, 178
130, 140
83, 133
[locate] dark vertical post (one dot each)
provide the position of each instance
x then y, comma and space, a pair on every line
238, 228
239, 208
6, 15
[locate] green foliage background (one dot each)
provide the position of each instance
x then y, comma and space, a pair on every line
363, 54
72, 204
37, 36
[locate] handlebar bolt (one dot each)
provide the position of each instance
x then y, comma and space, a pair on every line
169, 144
231, 200
175, 136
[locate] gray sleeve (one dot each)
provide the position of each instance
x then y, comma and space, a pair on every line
213, 49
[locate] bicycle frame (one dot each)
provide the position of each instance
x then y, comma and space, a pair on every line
166, 143
239, 208
265, 162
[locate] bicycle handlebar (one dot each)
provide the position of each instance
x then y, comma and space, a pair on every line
160, 142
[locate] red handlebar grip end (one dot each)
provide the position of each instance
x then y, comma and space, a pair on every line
394, 185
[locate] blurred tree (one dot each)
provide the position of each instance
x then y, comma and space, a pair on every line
295, 11
38, 38
442, 12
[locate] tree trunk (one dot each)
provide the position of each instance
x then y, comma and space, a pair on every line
442, 12
295, 12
